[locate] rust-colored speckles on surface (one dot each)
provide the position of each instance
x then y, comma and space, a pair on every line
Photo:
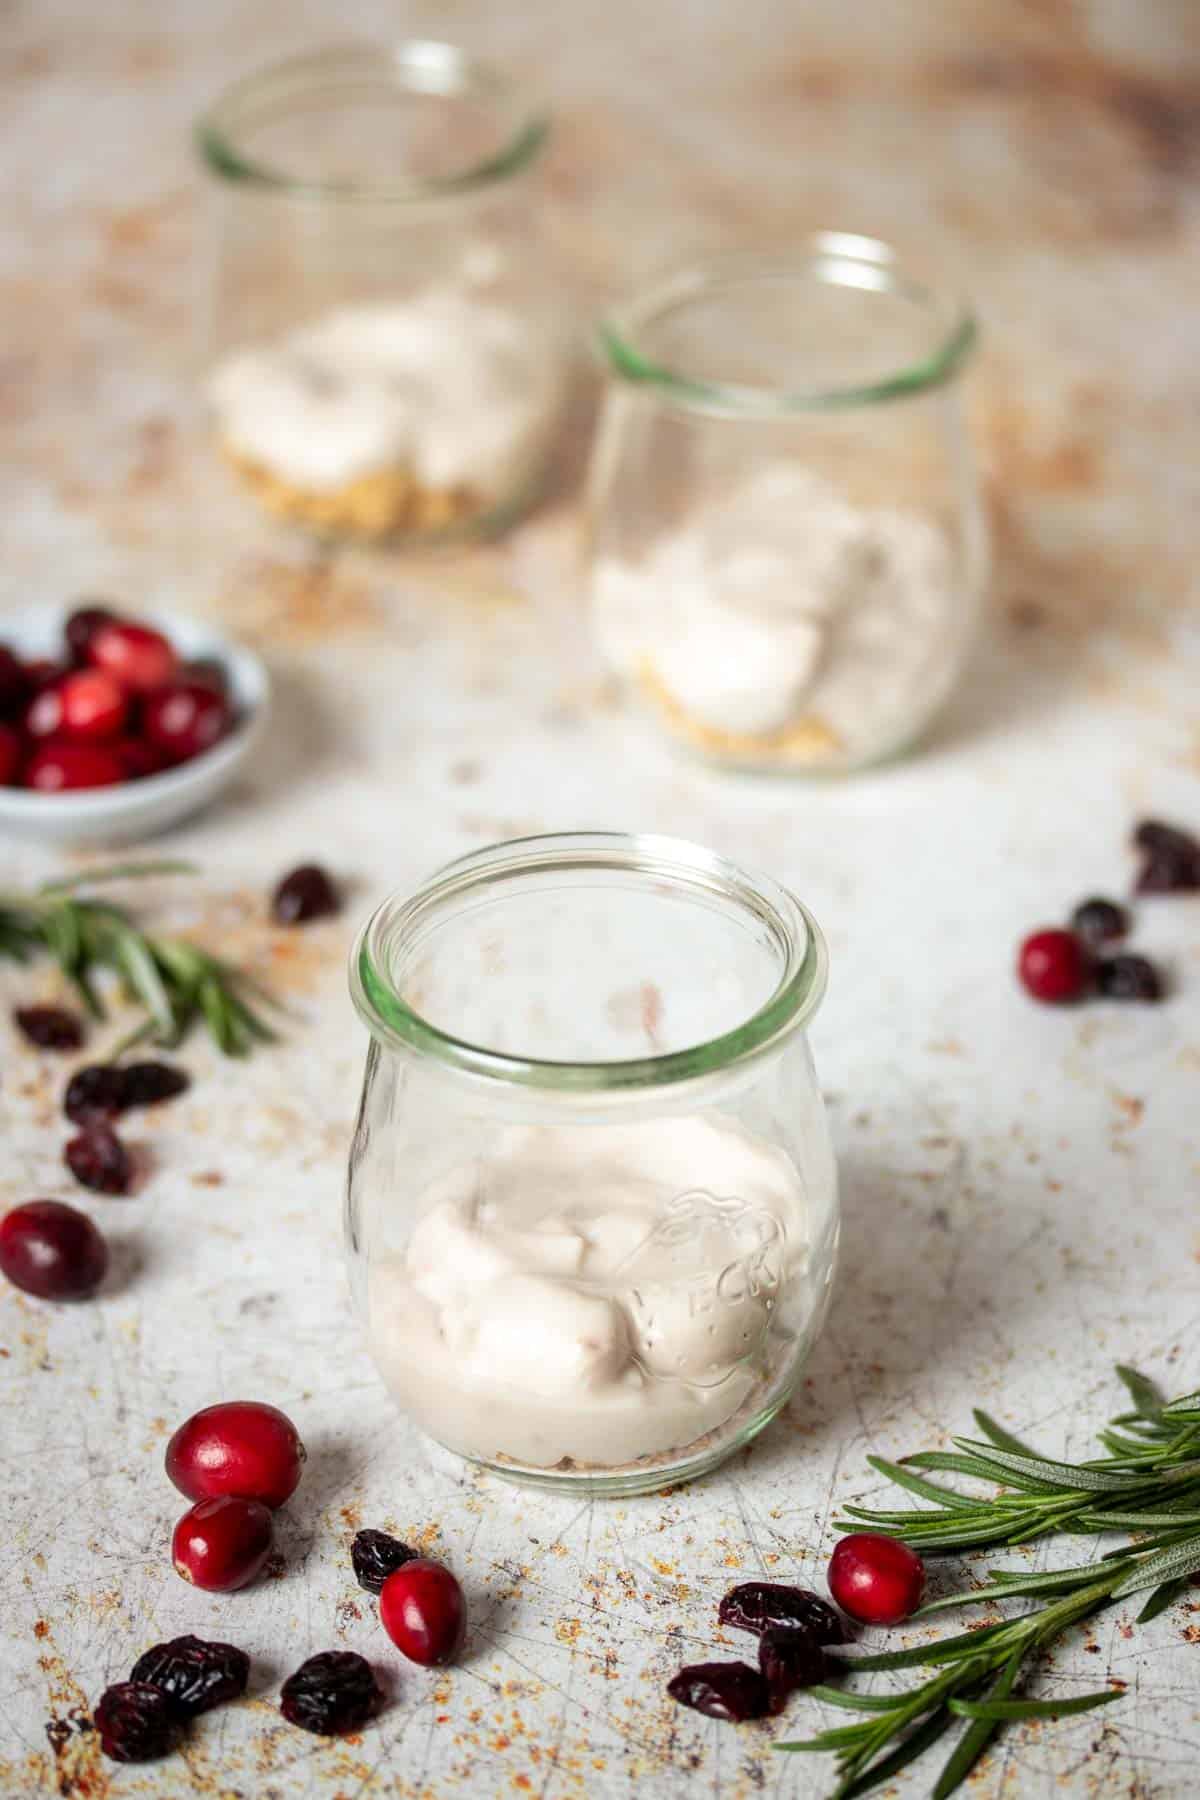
278, 602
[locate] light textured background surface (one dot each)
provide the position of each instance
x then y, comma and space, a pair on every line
1020, 1185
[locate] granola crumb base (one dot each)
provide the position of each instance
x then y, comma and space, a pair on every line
378, 505
805, 740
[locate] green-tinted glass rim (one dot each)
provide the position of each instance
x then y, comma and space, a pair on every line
836, 258
418, 65
661, 859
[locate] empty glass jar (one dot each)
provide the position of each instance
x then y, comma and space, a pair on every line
591, 1211
789, 548
385, 342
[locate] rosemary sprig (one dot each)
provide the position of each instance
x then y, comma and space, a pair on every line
173, 982
1148, 1484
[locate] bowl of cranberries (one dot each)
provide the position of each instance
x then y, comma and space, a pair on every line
114, 725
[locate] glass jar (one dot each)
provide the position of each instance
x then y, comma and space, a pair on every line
788, 543
591, 1211
385, 348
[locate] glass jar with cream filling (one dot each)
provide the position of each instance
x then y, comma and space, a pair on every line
385, 346
591, 1211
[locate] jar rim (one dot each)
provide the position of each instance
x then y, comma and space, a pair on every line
414, 66
790, 1005
832, 258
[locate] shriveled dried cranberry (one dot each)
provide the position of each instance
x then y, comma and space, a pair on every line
423, 1611
221, 1545
149, 1083
1053, 966
1129, 978
330, 1693
82, 626
96, 1092
99, 1160
789, 1659
376, 1555
876, 1579
307, 893
1153, 834
135, 1721
732, 1691
242, 1447
194, 1674
50, 1249
50, 1027
1100, 921
760, 1606
1172, 859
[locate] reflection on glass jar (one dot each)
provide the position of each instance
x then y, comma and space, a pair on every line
591, 1212
386, 356
789, 548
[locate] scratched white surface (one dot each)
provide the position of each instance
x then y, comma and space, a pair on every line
1019, 1185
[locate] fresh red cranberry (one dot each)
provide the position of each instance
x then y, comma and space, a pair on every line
208, 671
43, 717
1129, 978
194, 1673
99, 1160
57, 768
43, 671
731, 1691
222, 1544
11, 754
140, 658
239, 1447
306, 893
333, 1692
82, 626
51, 1250
139, 757
760, 1606
423, 1611
789, 1659
185, 718
1098, 921
50, 1027
1053, 966
376, 1555
93, 704
14, 683
136, 1722
877, 1580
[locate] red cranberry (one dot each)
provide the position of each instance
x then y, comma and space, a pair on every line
82, 626
42, 672
1053, 966
51, 1250
56, 768
423, 1611
139, 758
877, 1580
222, 1544
240, 1447
50, 1027
208, 671
11, 752
136, 1722
1100, 921
185, 718
44, 713
93, 705
14, 683
139, 657
731, 1691
99, 1160
306, 893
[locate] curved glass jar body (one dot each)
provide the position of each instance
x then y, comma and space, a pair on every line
788, 543
385, 351
591, 1211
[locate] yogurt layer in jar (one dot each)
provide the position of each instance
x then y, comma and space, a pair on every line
591, 1212
386, 345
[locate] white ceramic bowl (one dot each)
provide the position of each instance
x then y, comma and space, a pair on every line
137, 809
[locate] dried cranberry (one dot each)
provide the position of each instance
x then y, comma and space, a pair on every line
876, 1579
423, 1611
49, 1249
722, 1690
50, 1027
135, 1722
221, 1545
1053, 966
1129, 978
376, 1555
12, 754
1099, 921
148, 1083
330, 1693
194, 1674
307, 893
1153, 835
789, 1659
99, 1160
241, 1447
96, 1092
139, 657
82, 626
760, 1606
1172, 859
